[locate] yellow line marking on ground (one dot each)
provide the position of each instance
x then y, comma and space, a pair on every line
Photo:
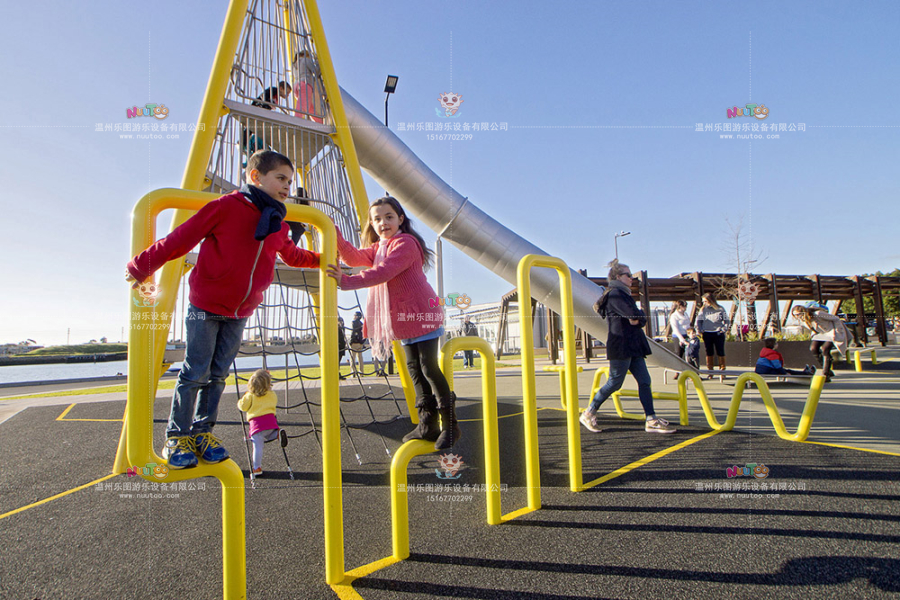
65, 412
62, 417
648, 459
60, 495
853, 448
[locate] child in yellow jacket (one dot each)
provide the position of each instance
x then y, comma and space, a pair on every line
259, 403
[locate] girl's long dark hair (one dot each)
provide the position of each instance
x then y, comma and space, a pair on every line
370, 236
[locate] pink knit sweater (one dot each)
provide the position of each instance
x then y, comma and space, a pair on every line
408, 290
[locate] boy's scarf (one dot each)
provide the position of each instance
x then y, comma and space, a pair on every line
378, 313
273, 211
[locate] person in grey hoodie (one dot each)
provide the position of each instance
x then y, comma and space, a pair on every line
712, 323
626, 349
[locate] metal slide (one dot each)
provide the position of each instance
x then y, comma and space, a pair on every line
427, 197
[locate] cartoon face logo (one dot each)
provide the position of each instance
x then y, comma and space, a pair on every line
761, 112
148, 290
147, 293
450, 103
463, 302
160, 471
451, 464
760, 471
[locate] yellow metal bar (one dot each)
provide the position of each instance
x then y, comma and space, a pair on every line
143, 359
562, 380
532, 464
806, 418
141, 386
342, 127
488, 410
857, 362
400, 499
409, 392
413, 448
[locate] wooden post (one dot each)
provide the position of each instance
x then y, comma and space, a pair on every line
860, 310
645, 303
502, 326
879, 310
787, 313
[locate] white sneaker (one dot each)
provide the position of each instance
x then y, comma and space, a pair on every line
589, 420
657, 425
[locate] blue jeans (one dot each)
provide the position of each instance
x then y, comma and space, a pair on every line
618, 368
212, 343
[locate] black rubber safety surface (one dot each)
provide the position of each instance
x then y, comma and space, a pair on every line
824, 523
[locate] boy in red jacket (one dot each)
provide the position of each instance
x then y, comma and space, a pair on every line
241, 233
771, 362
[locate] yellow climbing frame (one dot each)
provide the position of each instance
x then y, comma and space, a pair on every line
529, 400
413, 448
144, 358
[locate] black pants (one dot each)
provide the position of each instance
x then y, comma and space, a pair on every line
822, 350
715, 343
426, 374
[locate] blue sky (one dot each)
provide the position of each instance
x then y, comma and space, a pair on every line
601, 100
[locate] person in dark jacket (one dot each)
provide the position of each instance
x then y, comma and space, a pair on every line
626, 349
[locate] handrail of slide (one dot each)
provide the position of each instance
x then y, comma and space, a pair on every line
136, 443
413, 448
529, 400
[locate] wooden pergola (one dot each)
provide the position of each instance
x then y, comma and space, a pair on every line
772, 289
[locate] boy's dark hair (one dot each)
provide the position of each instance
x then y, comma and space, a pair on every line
770, 343
266, 160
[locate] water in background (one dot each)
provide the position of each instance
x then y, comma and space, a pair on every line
63, 371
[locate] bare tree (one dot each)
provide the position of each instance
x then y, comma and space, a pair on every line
741, 257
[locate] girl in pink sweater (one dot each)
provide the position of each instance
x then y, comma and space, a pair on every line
398, 308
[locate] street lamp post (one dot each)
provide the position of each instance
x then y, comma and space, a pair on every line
616, 241
390, 85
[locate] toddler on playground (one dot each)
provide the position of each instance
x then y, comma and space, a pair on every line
259, 403
241, 234
692, 349
398, 308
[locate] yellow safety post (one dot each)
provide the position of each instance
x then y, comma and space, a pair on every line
617, 402
409, 392
806, 418
529, 401
857, 359
399, 497
413, 448
488, 412
143, 361
562, 380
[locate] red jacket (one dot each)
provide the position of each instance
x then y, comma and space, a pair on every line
233, 269
408, 290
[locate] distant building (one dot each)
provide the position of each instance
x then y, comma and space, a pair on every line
20, 348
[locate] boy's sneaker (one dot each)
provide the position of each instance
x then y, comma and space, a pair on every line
657, 425
209, 448
589, 420
179, 452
